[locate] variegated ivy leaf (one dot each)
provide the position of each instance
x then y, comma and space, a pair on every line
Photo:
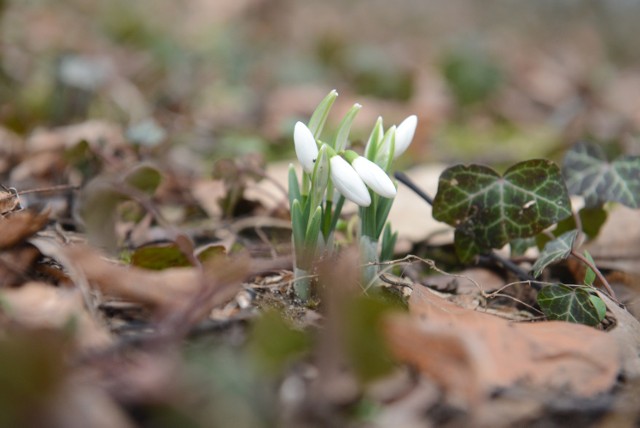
590, 174
572, 304
555, 250
489, 210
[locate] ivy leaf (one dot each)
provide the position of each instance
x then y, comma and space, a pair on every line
491, 210
590, 275
572, 304
601, 307
590, 174
555, 250
592, 219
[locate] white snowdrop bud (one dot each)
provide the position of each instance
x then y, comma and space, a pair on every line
404, 134
306, 148
374, 177
348, 182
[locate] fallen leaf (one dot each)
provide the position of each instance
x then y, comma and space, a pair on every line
39, 305
20, 225
9, 200
15, 264
470, 353
95, 132
168, 288
627, 335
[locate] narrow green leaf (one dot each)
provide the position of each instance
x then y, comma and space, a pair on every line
492, 210
388, 243
319, 179
382, 213
386, 148
336, 213
555, 250
298, 226
375, 139
294, 187
319, 116
590, 174
590, 275
313, 231
572, 304
342, 135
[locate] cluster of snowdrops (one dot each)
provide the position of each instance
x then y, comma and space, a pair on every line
332, 173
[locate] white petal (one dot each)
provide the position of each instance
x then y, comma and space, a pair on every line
348, 182
404, 134
374, 177
306, 148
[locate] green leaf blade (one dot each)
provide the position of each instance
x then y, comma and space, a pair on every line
493, 210
588, 173
555, 250
572, 304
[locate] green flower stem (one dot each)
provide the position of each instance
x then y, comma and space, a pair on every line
369, 241
302, 283
369, 256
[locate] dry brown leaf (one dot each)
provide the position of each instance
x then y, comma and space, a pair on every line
9, 200
470, 353
20, 225
95, 132
14, 264
617, 246
218, 281
627, 334
208, 193
40, 305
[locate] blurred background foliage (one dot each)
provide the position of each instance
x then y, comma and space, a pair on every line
492, 80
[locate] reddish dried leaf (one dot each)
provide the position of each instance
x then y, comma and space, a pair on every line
19, 226
15, 263
9, 201
470, 353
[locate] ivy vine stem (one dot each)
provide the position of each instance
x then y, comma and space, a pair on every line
595, 269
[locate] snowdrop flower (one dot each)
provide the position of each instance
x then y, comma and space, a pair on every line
348, 182
305, 144
374, 177
404, 134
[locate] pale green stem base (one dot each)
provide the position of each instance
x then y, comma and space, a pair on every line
369, 254
301, 283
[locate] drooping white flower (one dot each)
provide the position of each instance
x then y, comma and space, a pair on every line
305, 144
374, 177
348, 182
404, 134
